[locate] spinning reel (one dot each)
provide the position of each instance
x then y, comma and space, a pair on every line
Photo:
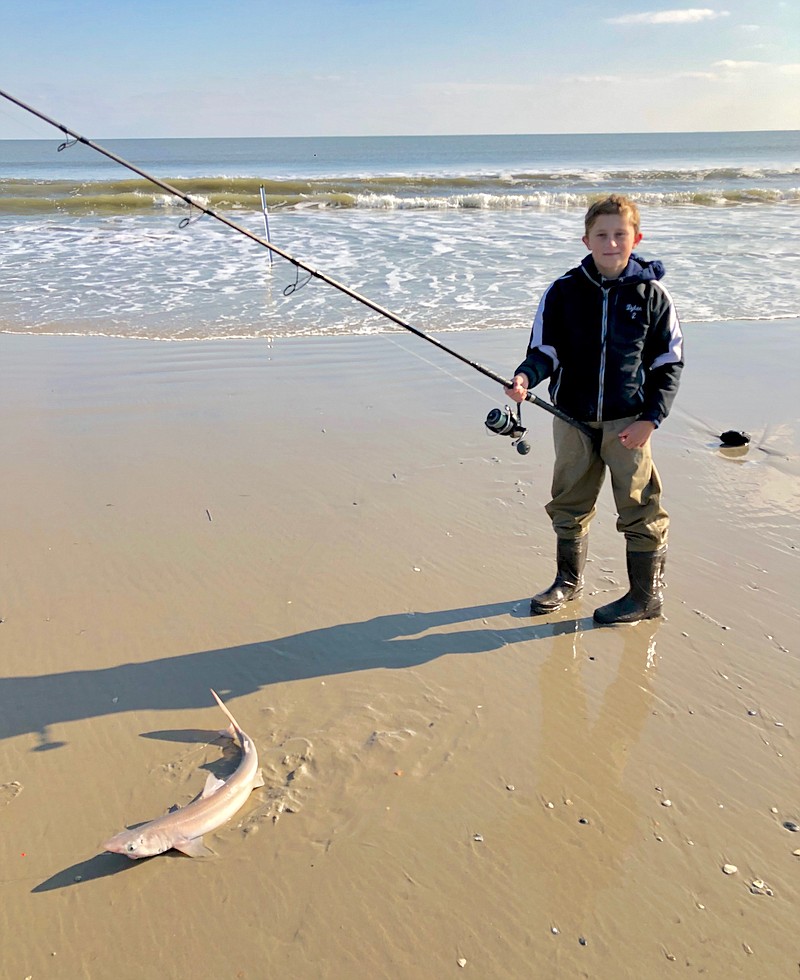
505, 422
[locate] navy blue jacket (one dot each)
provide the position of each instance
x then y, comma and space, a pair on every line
612, 348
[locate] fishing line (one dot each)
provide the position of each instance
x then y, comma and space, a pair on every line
72, 137
433, 364
15, 119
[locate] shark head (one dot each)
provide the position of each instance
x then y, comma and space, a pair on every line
135, 844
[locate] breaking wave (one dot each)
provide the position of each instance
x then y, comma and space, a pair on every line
721, 187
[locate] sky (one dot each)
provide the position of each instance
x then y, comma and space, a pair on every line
174, 68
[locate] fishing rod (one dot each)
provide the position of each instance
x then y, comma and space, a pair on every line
508, 424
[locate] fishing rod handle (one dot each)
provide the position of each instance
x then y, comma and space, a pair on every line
585, 429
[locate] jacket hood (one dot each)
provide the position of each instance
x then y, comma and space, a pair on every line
638, 270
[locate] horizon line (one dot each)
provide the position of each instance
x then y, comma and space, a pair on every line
632, 132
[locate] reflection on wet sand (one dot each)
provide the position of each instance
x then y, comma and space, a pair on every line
581, 765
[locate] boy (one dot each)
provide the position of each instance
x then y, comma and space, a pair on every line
607, 335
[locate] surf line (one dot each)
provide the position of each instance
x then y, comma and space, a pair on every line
73, 137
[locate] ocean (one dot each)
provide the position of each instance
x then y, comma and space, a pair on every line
450, 233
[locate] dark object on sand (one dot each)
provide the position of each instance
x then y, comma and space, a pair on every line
734, 438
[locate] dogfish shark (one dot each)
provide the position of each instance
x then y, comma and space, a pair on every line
183, 827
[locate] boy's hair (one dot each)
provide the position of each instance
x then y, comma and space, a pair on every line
613, 204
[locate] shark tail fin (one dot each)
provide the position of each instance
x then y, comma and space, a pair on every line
231, 719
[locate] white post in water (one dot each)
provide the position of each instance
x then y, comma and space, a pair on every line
266, 220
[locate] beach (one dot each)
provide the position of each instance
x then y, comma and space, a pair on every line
321, 530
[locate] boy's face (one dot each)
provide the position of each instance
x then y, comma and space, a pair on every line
611, 239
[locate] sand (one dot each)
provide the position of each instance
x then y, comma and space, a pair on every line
322, 531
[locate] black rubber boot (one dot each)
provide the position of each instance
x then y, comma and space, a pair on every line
644, 598
570, 562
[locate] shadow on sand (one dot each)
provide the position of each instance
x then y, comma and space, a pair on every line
35, 704
100, 866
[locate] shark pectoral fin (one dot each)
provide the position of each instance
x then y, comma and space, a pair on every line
212, 785
259, 780
194, 848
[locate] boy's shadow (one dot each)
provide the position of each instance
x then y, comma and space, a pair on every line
34, 704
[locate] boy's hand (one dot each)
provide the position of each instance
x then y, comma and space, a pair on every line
636, 435
518, 389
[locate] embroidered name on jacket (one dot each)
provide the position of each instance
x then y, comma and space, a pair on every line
633, 310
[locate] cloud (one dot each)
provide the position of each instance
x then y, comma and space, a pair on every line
728, 71
727, 65
595, 79
691, 16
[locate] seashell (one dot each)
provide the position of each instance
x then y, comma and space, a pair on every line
729, 869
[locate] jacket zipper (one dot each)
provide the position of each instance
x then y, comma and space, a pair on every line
603, 335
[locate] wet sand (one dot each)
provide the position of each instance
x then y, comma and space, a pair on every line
322, 531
